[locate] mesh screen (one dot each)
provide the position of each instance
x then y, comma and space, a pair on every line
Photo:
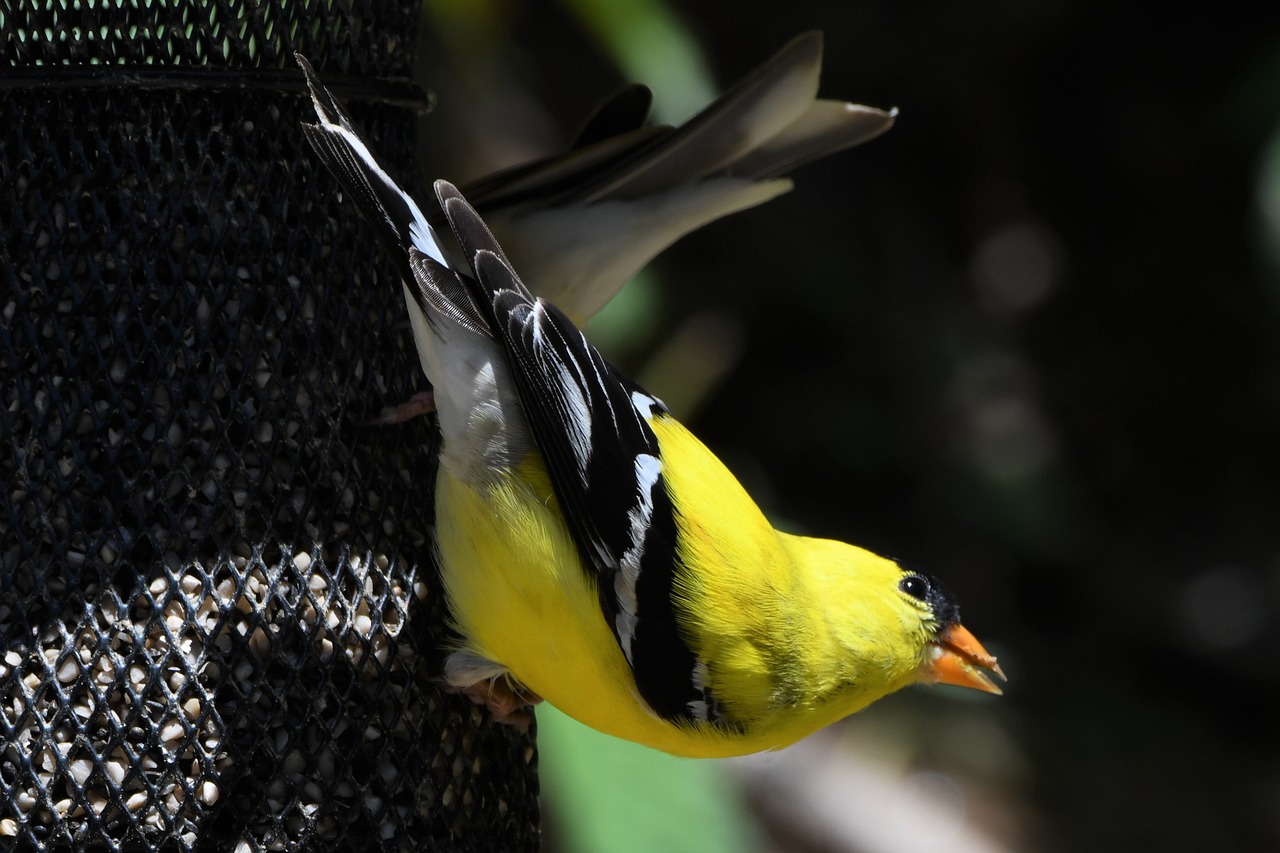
219, 624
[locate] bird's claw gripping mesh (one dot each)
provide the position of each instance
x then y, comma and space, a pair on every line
218, 620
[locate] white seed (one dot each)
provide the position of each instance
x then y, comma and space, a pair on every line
69, 670
208, 793
80, 770
172, 731
260, 642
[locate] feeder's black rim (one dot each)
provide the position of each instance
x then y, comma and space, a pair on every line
389, 91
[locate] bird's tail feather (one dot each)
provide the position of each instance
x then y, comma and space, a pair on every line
398, 219
462, 298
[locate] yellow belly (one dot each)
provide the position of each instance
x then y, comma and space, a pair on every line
521, 598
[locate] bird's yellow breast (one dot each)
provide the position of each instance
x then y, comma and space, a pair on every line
520, 597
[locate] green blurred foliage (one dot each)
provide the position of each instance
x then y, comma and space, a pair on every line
606, 794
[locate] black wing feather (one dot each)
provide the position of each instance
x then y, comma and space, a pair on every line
591, 426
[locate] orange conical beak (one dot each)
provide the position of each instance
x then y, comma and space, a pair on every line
956, 657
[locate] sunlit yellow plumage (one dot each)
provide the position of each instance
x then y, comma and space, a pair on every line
595, 554
784, 667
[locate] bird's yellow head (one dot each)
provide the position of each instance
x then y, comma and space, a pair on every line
888, 626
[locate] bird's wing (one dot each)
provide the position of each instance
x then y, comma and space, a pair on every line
591, 426
624, 110
768, 123
754, 110
614, 133
559, 178
824, 128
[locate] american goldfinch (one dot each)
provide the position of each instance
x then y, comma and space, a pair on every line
579, 225
594, 553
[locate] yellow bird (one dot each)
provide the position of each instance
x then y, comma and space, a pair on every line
594, 553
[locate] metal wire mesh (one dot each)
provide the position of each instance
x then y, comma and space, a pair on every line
218, 620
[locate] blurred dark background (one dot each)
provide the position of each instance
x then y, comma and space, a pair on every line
1026, 341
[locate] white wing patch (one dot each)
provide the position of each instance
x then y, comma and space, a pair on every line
572, 386
648, 470
645, 404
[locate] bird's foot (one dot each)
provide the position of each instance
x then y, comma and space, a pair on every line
509, 702
422, 403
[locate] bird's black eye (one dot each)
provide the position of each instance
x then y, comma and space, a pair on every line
914, 586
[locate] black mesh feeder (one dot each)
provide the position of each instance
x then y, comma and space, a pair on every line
219, 621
